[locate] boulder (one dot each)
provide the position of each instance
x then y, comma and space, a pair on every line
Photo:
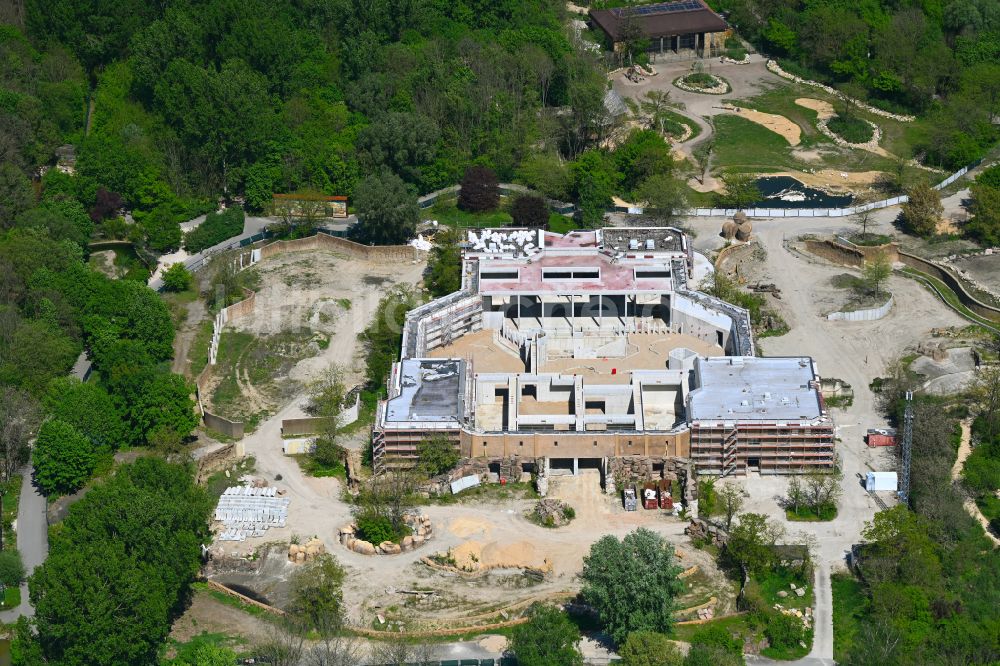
300, 556
390, 548
407, 542
363, 547
417, 540
800, 592
782, 593
421, 531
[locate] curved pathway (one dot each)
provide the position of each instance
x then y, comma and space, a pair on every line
964, 451
32, 539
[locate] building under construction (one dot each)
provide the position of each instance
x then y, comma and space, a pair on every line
581, 348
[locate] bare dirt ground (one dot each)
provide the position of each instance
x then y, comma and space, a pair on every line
309, 309
205, 614
104, 262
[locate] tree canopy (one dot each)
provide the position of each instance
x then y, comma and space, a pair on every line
632, 583
119, 568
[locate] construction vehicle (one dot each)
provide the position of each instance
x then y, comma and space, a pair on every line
649, 495
628, 497
666, 500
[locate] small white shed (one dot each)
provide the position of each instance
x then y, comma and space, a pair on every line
881, 481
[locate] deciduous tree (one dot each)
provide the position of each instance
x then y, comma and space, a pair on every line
63, 458
751, 542
480, 190
547, 639
923, 211
632, 583
530, 211
730, 501
387, 210
317, 600
876, 271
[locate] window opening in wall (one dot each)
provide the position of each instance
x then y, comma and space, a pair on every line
498, 275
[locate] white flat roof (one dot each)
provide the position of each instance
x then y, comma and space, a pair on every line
748, 388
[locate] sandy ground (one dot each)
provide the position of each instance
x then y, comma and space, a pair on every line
823, 109
324, 292
780, 125
855, 352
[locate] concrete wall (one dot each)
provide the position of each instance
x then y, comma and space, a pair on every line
862, 315
350, 248
314, 425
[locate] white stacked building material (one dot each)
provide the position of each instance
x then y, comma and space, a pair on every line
248, 511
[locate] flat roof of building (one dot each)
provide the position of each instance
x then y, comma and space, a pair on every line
622, 239
681, 17
594, 272
430, 390
747, 388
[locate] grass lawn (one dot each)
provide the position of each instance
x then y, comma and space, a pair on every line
677, 118
561, 224
806, 515
746, 146
11, 496
753, 150
11, 597
177, 303
198, 352
734, 624
447, 212
186, 652
849, 604
309, 465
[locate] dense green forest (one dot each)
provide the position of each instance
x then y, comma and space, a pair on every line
937, 58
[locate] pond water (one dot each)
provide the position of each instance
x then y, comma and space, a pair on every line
786, 192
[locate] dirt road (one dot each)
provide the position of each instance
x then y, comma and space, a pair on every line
964, 451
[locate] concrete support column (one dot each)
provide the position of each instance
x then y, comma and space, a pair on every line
576, 466
518, 312
600, 297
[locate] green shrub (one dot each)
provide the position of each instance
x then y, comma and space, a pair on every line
11, 568
851, 129
375, 529
700, 80
737, 53
176, 278
216, 228
784, 630
569, 513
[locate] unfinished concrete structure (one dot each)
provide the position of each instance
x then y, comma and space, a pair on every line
580, 348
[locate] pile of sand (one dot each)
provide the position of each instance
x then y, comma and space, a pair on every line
476, 555
791, 132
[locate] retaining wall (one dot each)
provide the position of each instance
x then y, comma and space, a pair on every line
952, 281
862, 315
323, 241
734, 255
312, 425
851, 255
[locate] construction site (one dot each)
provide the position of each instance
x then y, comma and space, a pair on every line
569, 351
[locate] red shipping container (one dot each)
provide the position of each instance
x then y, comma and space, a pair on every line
881, 440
